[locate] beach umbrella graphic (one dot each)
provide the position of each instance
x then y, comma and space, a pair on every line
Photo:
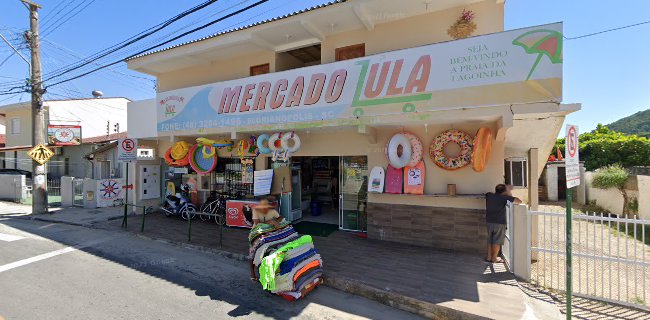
543, 42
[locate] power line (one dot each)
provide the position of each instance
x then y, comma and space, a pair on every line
605, 31
52, 29
44, 24
166, 42
133, 40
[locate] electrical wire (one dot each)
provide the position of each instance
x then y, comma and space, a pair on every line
60, 23
133, 40
165, 42
605, 31
44, 25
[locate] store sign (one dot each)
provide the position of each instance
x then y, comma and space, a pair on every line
63, 135
572, 157
109, 192
517, 66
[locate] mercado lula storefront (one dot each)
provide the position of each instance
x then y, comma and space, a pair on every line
401, 145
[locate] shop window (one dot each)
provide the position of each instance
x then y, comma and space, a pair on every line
350, 52
15, 126
260, 69
516, 171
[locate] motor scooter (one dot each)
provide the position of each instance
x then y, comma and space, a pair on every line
180, 204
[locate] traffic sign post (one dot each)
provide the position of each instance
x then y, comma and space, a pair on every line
41, 154
127, 151
572, 164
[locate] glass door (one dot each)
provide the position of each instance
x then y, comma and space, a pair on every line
353, 193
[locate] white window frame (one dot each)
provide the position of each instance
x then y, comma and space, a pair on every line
15, 129
525, 173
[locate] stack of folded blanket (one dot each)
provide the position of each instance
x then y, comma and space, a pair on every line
289, 265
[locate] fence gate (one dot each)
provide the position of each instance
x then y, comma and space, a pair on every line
610, 262
78, 192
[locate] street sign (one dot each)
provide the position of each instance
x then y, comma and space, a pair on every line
127, 150
572, 157
41, 154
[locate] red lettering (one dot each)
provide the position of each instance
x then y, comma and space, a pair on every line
277, 99
229, 99
335, 86
260, 96
247, 96
419, 76
372, 76
393, 89
315, 89
295, 94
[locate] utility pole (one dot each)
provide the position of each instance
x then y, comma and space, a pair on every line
39, 174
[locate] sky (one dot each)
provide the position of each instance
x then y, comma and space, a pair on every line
608, 73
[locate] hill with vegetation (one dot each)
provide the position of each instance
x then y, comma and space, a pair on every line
638, 123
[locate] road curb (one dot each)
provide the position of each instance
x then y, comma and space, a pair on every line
395, 300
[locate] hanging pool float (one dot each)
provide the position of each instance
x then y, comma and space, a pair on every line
260, 144
482, 149
174, 162
285, 142
396, 159
416, 149
441, 159
199, 163
275, 142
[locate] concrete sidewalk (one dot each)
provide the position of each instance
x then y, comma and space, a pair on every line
71, 215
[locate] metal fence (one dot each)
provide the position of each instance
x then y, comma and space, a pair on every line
611, 256
53, 192
78, 192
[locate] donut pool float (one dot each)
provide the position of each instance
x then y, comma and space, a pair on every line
482, 148
173, 162
442, 160
200, 163
416, 149
395, 159
290, 136
260, 144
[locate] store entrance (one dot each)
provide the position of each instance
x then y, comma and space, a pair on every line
320, 188
334, 190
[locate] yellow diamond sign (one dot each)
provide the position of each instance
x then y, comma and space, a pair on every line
41, 154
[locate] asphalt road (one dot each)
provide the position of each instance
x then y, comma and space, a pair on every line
56, 271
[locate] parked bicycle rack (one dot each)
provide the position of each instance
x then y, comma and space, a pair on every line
145, 211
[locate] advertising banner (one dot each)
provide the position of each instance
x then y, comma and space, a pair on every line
63, 135
517, 66
240, 213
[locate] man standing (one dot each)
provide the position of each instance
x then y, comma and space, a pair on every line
495, 218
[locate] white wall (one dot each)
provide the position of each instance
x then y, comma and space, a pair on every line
142, 119
612, 200
12, 187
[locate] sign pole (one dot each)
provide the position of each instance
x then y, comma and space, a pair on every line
569, 242
126, 196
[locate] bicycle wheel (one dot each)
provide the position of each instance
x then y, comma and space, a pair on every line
205, 208
189, 212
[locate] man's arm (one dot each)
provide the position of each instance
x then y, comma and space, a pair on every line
516, 200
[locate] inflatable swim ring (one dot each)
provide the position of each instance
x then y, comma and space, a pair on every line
285, 142
437, 153
416, 149
482, 149
242, 148
173, 162
260, 144
274, 142
199, 163
399, 160
179, 150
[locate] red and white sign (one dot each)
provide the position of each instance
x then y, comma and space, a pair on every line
572, 157
127, 150
240, 213
63, 135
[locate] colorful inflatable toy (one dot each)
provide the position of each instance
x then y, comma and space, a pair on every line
396, 159
275, 142
179, 150
260, 144
173, 162
198, 162
416, 149
285, 142
482, 149
442, 160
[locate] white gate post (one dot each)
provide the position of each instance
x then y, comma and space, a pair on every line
67, 191
521, 242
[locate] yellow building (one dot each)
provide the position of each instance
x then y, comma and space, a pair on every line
346, 77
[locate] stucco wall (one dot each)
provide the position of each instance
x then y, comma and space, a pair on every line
612, 200
404, 33
415, 31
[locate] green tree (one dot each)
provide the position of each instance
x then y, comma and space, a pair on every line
603, 147
613, 177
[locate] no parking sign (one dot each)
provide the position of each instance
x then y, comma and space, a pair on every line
572, 157
127, 150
